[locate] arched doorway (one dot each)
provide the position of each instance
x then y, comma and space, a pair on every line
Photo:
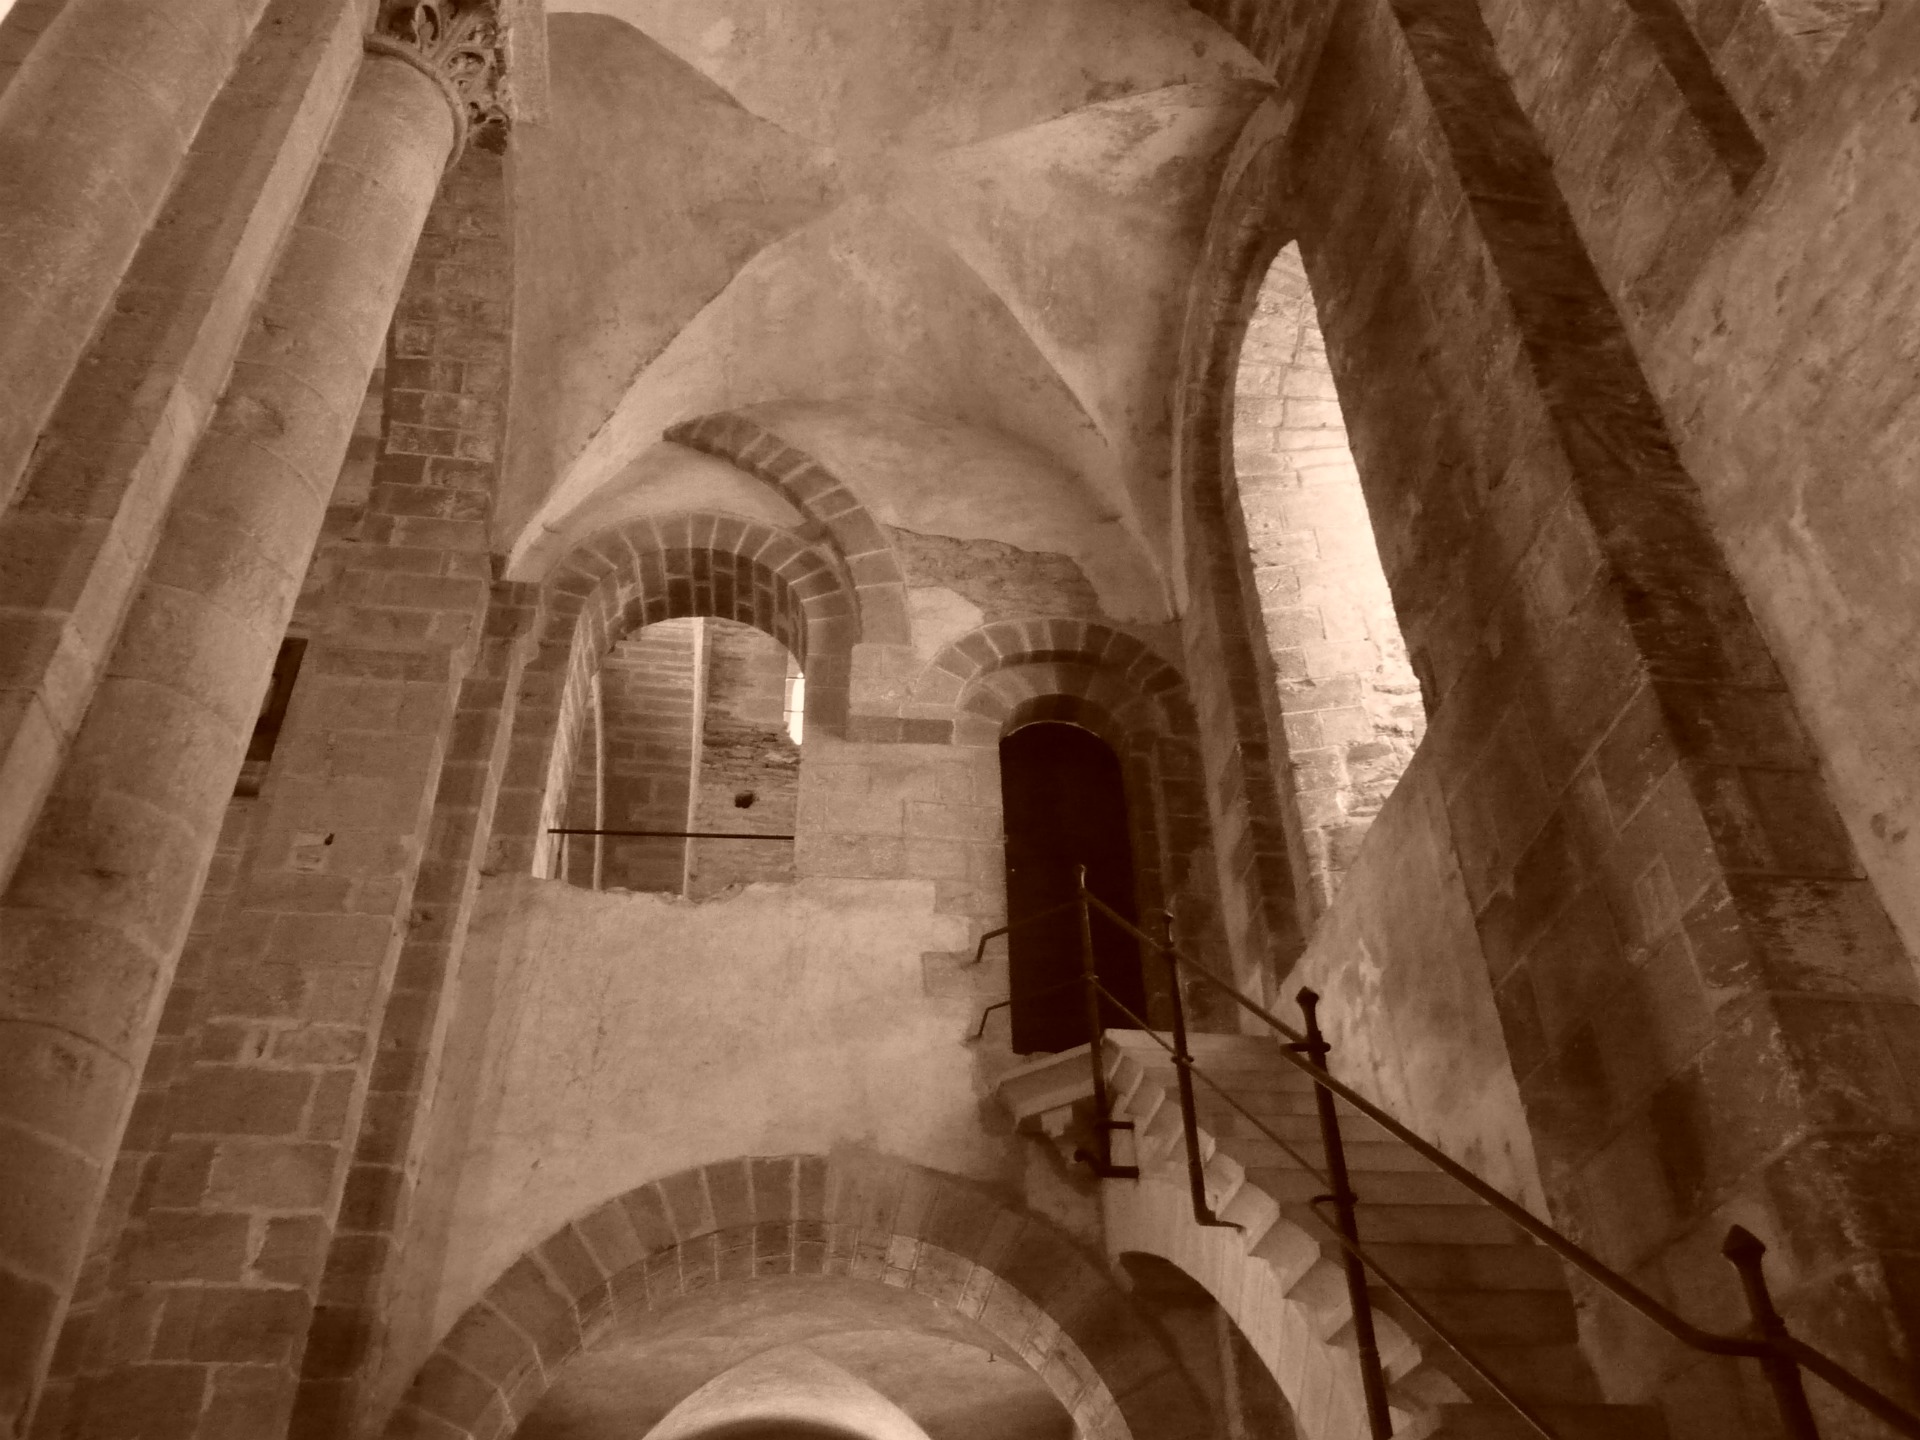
1064, 805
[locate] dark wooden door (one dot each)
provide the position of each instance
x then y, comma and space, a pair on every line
1064, 806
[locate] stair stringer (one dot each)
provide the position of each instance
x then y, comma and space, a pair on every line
1319, 1377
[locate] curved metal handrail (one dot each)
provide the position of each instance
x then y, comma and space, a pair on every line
1351, 1247
1742, 1249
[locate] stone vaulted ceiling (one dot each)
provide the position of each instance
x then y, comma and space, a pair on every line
942, 244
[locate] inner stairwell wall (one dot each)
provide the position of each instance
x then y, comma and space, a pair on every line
1608, 941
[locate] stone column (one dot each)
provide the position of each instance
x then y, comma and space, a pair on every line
92, 132
93, 923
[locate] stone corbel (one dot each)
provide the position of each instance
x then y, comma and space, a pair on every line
461, 46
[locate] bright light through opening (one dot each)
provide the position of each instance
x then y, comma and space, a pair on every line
795, 707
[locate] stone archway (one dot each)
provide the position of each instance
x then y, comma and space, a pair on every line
834, 515
844, 1215
1012, 673
634, 575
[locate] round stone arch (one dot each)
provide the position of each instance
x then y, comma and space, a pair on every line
1007, 674
851, 1214
1171, 856
835, 518
661, 568
949, 686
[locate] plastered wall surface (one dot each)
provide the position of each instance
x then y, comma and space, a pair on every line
634, 1035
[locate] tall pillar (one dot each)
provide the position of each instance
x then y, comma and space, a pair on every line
87, 510
92, 132
94, 920
351, 900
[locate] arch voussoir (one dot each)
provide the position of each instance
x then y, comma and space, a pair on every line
859, 1216
654, 569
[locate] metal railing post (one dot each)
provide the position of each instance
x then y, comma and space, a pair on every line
1183, 1070
1743, 1249
1373, 1380
1103, 1122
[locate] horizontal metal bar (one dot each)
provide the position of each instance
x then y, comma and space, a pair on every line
980, 950
1023, 995
673, 834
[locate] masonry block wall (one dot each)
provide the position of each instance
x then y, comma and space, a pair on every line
652, 703
1348, 698
131, 1183
276, 1130
1579, 625
745, 754
581, 857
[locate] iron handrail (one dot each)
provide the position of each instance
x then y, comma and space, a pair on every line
1780, 1353
1362, 1314
980, 950
1426, 1317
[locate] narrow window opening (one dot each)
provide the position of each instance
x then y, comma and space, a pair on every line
1347, 698
273, 717
794, 706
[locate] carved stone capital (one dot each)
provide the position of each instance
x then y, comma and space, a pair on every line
461, 43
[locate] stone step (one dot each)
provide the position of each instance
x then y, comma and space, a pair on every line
1556, 1373
1427, 1224
1289, 1185
1297, 1130
1483, 1279
1214, 1110
1499, 1317
1363, 1155
1480, 1267
1225, 1054
1569, 1422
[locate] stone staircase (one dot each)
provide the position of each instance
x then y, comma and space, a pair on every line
1501, 1294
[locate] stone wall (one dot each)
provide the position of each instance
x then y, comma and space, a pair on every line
745, 754
1619, 847
651, 701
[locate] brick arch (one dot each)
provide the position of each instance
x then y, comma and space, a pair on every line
847, 1215
1011, 673
951, 682
836, 520
661, 568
